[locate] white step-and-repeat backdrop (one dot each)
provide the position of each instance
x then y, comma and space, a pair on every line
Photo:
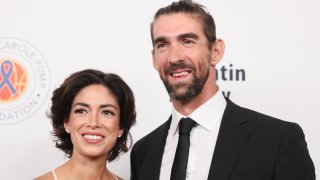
271, 65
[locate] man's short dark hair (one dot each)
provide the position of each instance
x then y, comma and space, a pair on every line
192, 8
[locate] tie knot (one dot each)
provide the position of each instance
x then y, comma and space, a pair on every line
185, 126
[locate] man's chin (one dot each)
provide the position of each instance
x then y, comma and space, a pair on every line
180, 89
178, 94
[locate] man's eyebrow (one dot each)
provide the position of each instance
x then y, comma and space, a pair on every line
159, 39
188, 35
181, 36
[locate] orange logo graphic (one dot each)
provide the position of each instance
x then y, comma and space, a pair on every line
13, 80
24, 80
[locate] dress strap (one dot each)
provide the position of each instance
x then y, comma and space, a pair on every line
115, 177
54, 175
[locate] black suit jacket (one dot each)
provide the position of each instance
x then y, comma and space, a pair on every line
250, 146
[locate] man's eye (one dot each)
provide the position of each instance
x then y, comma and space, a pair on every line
161, 46
188, 43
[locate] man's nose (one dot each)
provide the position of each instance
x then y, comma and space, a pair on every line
175, 54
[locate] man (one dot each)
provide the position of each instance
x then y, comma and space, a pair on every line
228, 141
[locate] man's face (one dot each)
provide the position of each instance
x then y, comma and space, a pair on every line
181, 55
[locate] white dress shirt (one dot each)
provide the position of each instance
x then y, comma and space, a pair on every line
203, 139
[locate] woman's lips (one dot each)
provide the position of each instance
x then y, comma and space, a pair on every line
92, 137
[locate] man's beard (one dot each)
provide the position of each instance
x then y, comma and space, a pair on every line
192, 89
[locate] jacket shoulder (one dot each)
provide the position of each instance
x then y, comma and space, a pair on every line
258, 119
153, 137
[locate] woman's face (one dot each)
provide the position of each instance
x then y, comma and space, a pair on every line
94, 122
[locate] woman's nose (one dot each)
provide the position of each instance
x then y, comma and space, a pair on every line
94, 120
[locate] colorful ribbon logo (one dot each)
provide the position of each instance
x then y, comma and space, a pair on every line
6, 74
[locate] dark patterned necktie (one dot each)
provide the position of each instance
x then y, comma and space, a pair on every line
179, 167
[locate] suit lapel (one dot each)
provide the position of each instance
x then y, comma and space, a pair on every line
233, 135
153, 159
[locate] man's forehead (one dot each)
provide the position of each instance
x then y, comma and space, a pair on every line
177, 16
177, 23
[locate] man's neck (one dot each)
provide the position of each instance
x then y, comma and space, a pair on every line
186, 108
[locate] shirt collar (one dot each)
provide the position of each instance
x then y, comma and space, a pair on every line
207, 115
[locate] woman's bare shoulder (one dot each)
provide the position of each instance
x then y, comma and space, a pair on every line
46, 176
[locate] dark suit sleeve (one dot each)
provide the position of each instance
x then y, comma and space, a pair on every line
294, 161
137, 158
133, 162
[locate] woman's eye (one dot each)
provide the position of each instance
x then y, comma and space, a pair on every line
80, 111
108, 113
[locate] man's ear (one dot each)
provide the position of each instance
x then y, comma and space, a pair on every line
154, 61
217, 50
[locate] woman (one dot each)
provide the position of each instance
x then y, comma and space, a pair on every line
91, 115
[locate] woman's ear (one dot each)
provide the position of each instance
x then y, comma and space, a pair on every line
217, 50
66, 124
120, 133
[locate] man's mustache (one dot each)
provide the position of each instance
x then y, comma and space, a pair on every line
175, 66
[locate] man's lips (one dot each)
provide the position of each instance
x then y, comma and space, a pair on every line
180, 73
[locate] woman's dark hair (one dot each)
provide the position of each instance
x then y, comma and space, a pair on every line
62, 101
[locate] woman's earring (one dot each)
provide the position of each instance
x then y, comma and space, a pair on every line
68, 131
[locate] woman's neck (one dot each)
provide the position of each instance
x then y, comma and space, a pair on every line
79, 167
